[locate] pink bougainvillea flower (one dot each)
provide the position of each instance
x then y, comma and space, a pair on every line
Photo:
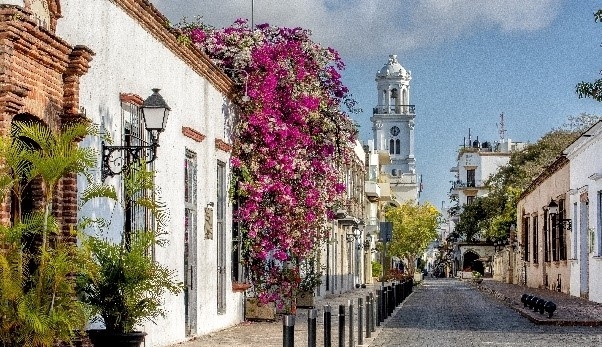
289, 143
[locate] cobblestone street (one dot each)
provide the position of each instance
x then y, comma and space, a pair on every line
439, 313
448, 312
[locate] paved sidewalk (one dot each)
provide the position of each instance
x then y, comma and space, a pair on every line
269, 334
570, 310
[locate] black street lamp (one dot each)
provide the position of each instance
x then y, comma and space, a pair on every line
155, 112
357, 233
553, 211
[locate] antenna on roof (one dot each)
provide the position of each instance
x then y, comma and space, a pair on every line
501, 129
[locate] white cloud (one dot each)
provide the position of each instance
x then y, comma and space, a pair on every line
370, 27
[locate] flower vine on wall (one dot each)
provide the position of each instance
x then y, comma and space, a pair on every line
290, 139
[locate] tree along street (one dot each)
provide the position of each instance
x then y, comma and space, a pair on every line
448, 312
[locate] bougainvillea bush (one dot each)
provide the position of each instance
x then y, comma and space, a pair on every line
290, 141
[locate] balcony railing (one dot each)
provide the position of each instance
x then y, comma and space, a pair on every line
469, 184
396, 109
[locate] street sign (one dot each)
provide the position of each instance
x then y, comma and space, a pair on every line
386, 231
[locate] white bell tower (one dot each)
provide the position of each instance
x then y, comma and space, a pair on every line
393, 128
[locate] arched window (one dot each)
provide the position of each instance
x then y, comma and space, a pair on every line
392, 146
394, 94
397, 146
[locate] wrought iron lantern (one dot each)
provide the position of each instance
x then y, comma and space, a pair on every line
116, 159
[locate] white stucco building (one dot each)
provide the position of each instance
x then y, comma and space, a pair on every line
134, 52
585, 213
475, 164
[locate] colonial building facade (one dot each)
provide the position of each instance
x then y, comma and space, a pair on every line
476, 162
543, 242
97, 60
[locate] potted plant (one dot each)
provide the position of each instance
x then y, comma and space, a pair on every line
311, 278
477, 277
125, 286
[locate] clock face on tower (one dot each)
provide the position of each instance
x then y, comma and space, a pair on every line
394, 131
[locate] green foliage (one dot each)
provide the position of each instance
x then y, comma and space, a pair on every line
37, 290
377, 269
472, 220
123, 284
414, 227
311, 276
591, 89
125, 287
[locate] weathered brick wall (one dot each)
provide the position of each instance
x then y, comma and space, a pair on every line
39, 76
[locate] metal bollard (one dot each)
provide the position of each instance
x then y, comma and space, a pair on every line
351, 334
341, 325
368, 321
378, 306
391, 300
312, 316
360, 321
403, 291
549, 307
327, 326
288, 330
372, 314
384, 310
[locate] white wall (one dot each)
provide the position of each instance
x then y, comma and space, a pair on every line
585, 177
130, 60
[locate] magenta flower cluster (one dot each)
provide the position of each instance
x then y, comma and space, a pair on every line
290, 142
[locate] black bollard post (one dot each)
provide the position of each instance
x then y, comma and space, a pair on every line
341, 325
327, 326
372, 313
312, 315
368, 321
390, 305
378, 306
403, 290
360, 321
384, 309
288, 330
351, 334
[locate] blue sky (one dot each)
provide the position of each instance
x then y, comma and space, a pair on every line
470, 61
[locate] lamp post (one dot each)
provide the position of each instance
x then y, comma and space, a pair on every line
553, 211
355, 236
116, 159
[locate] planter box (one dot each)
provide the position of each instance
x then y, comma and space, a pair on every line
305, 299
254, 310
